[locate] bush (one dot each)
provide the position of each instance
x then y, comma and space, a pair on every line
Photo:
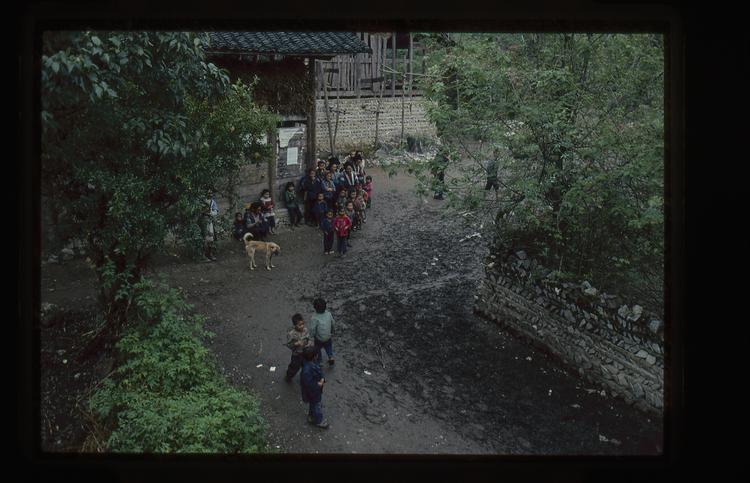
169, 395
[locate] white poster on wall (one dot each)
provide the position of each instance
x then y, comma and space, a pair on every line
291, 156
287, 133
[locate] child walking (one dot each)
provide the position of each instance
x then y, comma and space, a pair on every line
311, 383
326, 226
321, 330
297, 340
341, 225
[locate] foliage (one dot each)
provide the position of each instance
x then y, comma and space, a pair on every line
137, 129
575, 123
169, 396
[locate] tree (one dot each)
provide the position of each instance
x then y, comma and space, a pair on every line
575, 122
137, 129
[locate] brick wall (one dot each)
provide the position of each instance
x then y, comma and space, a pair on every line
610, 344
357, 121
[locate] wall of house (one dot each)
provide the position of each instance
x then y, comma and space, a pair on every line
614, 345
356, 126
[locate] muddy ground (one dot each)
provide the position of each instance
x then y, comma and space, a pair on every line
417, 372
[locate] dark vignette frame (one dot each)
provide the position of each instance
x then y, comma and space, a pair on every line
537, 15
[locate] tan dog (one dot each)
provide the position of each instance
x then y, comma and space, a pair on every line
252, 245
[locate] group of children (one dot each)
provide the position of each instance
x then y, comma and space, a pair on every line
322, 193
335, 200
306, 344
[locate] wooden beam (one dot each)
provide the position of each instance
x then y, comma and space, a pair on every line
411, 57
357, 72
393, 64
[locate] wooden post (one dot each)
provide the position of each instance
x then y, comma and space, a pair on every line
411, 59
403, 103
312, 115
274, 162
357, 72
393, 64
328, 111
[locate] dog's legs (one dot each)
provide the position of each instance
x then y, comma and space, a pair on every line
252, 258
268, 258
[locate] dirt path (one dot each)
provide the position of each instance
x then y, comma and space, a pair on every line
416, 371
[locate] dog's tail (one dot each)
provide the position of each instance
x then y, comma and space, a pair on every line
247, 237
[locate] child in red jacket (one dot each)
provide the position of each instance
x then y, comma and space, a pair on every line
341, 225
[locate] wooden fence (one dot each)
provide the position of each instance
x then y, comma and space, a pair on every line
383, 72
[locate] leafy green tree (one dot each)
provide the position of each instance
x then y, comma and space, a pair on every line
137, 129
575, 123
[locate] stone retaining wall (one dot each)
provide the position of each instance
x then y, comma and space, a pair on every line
609, 343
357, 121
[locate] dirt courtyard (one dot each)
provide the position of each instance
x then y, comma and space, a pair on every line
417, 372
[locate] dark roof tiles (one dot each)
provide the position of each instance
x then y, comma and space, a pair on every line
289, 43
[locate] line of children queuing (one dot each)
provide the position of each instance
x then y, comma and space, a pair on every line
307, 344
335, 200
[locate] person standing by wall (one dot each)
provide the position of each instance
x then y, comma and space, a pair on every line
292, 205
211, 211
311, 187
491, 167
438, 171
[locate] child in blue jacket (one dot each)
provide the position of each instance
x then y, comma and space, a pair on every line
311, 383
326, 226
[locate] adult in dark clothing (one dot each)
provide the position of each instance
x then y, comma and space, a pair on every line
350, 180
492, 180
254, 223
311, 188
438, 171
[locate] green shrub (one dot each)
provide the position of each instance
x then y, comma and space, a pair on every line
169, 395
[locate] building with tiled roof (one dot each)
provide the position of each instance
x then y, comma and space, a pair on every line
310, 44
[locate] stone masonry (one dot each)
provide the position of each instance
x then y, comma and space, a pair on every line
609, 343
357, 121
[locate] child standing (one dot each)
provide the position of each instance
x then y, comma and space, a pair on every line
360, 214
329, 189
341, 225
239, 226
311, 383
319, 209
368, 189
321, 329
342, 199
297, 340
292, 205
349, 210
267, 210
326, 226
